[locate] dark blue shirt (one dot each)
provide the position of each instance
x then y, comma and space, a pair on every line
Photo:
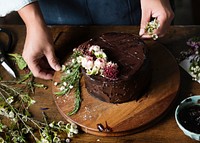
95, 12
91, 12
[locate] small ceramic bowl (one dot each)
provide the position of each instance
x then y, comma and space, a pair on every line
187, 116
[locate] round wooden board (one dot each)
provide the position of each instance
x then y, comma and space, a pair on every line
130, 117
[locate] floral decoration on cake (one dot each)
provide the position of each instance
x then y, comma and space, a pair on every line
94, 61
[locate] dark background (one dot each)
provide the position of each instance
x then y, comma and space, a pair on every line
186, 13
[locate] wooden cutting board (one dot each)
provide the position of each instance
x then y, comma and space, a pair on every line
130, 117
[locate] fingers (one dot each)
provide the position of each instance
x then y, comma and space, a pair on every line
42, 73
42, 63
161, 10
38, 66
146, 16
39, 53
165, 22
52, 60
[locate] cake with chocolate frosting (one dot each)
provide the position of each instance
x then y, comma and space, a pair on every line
133, 74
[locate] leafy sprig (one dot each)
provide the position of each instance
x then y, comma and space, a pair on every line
71, 80
17, 123
19, 60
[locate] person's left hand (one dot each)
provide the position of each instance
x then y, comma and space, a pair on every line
159, 9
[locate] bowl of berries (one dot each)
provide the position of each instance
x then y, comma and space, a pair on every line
187, 116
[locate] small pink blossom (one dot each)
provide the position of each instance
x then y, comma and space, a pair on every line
94, 60
87, 62
100, 63
94, 48
110, 71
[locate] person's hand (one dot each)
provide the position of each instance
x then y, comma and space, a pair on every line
39, 52
38, 49
159, 9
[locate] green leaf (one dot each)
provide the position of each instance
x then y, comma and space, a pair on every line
19, 60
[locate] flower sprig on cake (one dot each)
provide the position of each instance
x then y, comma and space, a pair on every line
94, 61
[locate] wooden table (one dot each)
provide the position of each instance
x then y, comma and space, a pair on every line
65, 37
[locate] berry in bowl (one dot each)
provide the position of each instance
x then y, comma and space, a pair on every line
187, 116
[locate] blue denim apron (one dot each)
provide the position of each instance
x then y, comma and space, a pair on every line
95, 12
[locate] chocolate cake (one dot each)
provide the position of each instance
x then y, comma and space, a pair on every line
131, 55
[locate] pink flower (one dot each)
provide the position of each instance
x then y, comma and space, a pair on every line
87, 62
100, 63
110, 71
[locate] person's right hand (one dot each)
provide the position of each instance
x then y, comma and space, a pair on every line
38, 49
159, 9
39, 52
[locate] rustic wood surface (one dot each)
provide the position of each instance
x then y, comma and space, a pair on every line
164, 131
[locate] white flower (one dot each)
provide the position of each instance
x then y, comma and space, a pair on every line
100, 63
64, 84
11, 114
73, 60
62, 88
9, 100
79, 59
2, 127
67, 140
51, 124
70, 134
24, 118
100, 54
60, 123
74, 126
94, 48
71, 86
87, 62
3, 112
75, 131
68, 71
56, 140
1, 140
93, 71
63, 67
32, 101
55, 83
44, 140
25, 130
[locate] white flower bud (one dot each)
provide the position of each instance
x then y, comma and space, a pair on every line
71, 86
51, 125
70, 134
62, 88
64, 83
55, 83
63, 68
94, 48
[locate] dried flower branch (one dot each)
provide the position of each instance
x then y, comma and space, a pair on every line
17, 124
194, 53
194, 44
150, 27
